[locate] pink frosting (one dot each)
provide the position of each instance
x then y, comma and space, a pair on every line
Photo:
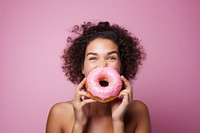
104, 92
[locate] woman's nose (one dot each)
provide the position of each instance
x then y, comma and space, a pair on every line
103, 63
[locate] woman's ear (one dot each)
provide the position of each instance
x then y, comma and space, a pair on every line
83, 72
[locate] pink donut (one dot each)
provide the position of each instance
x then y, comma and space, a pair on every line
103, 83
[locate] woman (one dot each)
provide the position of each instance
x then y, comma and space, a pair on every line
100, 45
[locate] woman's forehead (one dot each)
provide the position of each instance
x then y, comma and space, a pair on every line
101, 45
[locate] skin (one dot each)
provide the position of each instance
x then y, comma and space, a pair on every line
122, 115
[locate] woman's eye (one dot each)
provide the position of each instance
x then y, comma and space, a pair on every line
112, 58
92, 58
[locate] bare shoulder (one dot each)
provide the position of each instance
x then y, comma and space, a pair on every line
139, 113
62, 111
61, 107
138, 106
60, 114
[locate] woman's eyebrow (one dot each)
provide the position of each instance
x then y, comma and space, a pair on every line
91, 53
109, 53
113, 52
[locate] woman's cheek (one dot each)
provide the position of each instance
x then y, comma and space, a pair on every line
117, 66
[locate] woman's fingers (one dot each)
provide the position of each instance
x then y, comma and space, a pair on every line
81, 85
84, 93
127, 87
87, 98
119, 108
127, 84
126, 97
126, 93
78, 89
82, 96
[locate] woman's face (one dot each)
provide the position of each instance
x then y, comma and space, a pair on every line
101, 52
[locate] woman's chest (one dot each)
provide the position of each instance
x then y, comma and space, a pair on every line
99, 126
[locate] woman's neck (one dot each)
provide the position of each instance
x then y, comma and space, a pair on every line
100, 109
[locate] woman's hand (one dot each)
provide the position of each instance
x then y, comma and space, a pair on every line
81, 110
120, 105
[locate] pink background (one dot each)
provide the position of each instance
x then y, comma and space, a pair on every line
33, 35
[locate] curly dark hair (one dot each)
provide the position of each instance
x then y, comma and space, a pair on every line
130, 51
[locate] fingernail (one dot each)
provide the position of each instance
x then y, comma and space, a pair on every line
120, 97
82, 97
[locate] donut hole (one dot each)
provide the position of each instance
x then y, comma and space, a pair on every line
103, 83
